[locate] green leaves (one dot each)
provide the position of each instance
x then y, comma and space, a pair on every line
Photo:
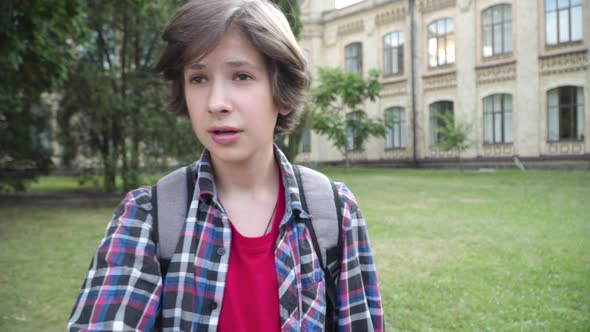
340, 94
114, 102
36, 51
292, 11
455, 135
347, 87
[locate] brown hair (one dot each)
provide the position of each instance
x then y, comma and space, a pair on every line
198, 27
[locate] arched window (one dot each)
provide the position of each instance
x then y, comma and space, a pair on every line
563, 21
565, 113
441, 43
354, 57
395, 128
438, 111
353, 142
497, 119
305, 143
497, 30
393, 53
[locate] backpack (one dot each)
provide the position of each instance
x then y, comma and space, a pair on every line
172, 195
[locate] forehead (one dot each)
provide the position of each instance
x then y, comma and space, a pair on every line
234, 47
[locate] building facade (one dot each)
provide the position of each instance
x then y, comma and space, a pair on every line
517, 72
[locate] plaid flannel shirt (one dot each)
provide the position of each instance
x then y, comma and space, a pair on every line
124, 288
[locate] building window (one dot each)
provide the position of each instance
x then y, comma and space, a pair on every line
563, 21
437, 111
441, 43
395, 128
354, 57
353, 142
497, 30
307, 56
305, 142
393, 53
497, 119
565, 110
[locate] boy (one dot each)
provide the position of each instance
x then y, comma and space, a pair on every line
243, 262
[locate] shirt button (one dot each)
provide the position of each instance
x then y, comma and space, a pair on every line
221, 251
213, 305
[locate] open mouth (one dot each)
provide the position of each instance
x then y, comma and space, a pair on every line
225, 135
224, 132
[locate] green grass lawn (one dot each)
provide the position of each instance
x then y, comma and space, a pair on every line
56, 184
505, 251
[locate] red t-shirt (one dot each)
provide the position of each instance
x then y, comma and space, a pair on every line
251, 297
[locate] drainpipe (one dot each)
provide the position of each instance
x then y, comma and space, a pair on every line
412, 6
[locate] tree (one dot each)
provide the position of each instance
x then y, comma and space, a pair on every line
339, 95
292, 11
290, 144
35, 52
113, 102
455, 135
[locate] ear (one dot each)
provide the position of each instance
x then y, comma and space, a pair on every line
284, 112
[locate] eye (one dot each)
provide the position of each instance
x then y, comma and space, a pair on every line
198, 79
243, 77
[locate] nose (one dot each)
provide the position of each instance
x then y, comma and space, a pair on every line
219, 101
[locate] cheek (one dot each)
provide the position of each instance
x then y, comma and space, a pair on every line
193, 111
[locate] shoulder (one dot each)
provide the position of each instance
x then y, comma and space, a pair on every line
314, 178
347, 197
140, 197
136, 206
352, 217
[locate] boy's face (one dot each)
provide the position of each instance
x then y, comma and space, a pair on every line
229, 100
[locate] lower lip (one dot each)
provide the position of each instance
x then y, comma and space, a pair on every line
225, 138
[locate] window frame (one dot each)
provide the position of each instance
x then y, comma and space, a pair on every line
305, 141
438, 37
505, 8
353, 58
557, 33
389, 50
576, 120
437, 137
503, 112
401, 128
355, 115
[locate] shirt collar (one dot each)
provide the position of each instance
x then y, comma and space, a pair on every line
205, 188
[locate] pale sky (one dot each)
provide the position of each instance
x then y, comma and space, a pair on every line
344, 3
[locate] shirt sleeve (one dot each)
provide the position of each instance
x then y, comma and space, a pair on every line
359, 300
122, 289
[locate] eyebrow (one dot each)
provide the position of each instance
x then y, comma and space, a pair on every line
232, 64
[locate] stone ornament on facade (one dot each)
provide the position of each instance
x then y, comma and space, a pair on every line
564, 63
565, 148
426, 6
351, 27
395, 89
438, 153
399, 154
464, 5
499, 150
495, 74
393, 15
357, 155
440, 82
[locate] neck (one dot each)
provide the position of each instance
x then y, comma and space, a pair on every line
258, 174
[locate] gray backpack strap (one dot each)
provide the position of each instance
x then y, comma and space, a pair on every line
319, 196
171, 195
321, 205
